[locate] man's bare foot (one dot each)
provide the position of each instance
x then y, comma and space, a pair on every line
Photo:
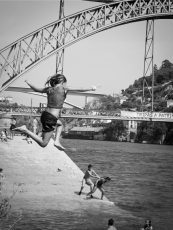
59, 146
21, 128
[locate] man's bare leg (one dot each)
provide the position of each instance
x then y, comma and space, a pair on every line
102, 192
42, 141
92, 191
57, 136
82, 187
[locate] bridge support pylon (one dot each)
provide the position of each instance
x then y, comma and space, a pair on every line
60, 54
149, 61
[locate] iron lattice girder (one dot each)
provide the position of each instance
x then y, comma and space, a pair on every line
24, 54
105, 1
60, 54
148, 58
92, 114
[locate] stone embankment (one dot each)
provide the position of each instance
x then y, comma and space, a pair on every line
42, 178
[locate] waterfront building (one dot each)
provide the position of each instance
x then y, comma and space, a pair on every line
7, 99
131, 127
2, 98
87, 133
119, 98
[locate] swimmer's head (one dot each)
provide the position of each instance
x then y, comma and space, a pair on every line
1, 170
111, 222
107, 179
56, 79
148, 222
90, 166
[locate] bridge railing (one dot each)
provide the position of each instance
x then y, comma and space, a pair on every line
65, 111
22, 110
93, 114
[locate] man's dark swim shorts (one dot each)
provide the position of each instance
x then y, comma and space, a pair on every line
48, 121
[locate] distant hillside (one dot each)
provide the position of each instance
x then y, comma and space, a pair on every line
163, 90
163, 82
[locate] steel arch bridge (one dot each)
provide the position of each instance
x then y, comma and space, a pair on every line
21, 56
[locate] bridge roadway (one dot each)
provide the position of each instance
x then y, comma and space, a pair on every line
93, 114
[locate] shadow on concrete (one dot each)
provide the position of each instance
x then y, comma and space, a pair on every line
84, 194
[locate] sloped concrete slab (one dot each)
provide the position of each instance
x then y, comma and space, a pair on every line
39, 178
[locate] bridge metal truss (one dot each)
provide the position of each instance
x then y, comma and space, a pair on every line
149, 61
88, 114
60, 54
27, 52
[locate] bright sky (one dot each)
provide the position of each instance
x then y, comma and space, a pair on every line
113, 58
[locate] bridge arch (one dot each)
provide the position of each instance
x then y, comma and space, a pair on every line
27, 52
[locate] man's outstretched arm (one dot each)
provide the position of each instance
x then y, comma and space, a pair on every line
95, 174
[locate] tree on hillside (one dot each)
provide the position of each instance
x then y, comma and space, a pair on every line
107, 103
152, 132
169, 134
165, 73
114, 130
138, 83
169, 109
166, 64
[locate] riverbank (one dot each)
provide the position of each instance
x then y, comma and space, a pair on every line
42, 180
40, 173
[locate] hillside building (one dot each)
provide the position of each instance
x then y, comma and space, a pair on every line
83, 133
167, 103
119, 98
131, 127
7, 99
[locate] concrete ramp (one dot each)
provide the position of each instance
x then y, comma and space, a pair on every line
42, 178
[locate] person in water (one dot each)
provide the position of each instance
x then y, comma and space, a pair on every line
99, 185
111, 225
56, 95
87, 178
147, 225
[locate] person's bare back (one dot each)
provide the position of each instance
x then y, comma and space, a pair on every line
110, 225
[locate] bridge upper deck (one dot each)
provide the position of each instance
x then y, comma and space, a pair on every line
93, 114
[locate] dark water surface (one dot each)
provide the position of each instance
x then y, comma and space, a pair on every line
142, 179
141, 187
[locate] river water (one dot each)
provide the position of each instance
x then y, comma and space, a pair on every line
141, 187
142, 179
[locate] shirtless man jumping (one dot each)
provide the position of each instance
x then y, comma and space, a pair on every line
86, 179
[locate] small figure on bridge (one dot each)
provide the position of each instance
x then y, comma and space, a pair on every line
56, 95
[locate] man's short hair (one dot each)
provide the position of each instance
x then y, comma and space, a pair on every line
89, 166
111, 222
1, 170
